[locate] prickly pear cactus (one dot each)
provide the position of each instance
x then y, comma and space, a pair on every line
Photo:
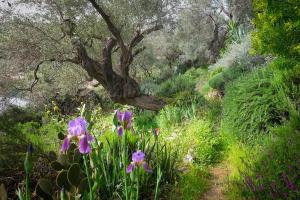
70, 176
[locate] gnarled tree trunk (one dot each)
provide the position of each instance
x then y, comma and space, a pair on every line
121, 87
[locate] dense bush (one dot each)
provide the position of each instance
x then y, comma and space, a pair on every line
192, 185
220, 80
288, 79
169, 116
172, 86
217, 82
277, 27
196, 142
182, 83
272, 170
18, 128
146, 120
254, 103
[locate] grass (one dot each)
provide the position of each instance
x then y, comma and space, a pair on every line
192, 185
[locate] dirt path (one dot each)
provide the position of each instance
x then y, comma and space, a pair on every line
217, 182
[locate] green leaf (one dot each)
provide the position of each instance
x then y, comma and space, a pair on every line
62, 180
76, 156
63, 160
115, 120
74, 174
57, 166
44, 189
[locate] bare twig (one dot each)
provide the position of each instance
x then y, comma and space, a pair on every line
37, 67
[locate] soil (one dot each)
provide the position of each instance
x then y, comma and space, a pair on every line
218, 181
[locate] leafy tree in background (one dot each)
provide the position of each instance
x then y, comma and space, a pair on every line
102, 37
277, 27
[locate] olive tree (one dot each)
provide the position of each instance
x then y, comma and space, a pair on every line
101, 37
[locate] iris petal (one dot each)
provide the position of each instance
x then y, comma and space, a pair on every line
82, 122
89, 137
84, 146
147, 168
120, 131
130, 168
127, 116
77, 126
66, 145
138, 156
119, 115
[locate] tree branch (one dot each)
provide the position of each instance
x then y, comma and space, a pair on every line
36, 78
30, 24
138, 51
36, 69
111, 27
139, 36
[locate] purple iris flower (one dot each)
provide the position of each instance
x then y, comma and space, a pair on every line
78, 128
138, 158
125, 118
120, 131
130, 168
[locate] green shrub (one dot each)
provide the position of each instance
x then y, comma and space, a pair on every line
277, 27
196, 142
271, 171
288, 78
220, 80
214, 112
169, 116
253, 104
217, 82
182, 83
232, 73
184, 106
216, 71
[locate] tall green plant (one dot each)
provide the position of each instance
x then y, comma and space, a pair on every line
254, 103
277, 27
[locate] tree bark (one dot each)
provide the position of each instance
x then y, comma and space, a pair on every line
121, 88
